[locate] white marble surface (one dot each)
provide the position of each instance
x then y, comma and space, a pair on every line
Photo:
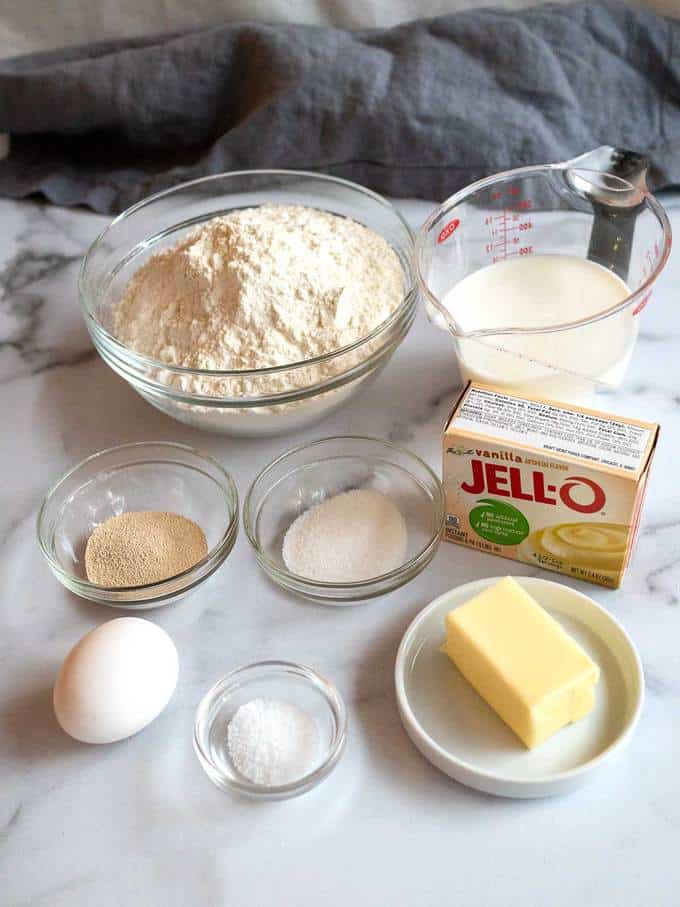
138, 823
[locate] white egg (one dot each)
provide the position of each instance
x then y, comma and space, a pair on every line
116, 680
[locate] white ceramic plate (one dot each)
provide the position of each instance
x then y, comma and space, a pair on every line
460, 734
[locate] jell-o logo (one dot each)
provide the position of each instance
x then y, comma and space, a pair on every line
506, 481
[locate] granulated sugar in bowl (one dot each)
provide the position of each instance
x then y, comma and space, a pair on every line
343, 520
347, 538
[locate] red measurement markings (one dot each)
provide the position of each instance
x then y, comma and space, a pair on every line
501, 231
527, 225
507, 226
505, 229
643, 302
448, 230
649, 262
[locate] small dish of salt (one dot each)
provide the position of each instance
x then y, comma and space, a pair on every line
346, 519
272, 730
272, 742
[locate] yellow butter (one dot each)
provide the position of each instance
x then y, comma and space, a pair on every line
520, 660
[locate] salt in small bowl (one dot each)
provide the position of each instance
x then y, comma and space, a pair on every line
294, 683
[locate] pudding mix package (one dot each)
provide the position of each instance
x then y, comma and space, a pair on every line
545, 483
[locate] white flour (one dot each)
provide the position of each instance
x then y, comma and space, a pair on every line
260, 287
347, 538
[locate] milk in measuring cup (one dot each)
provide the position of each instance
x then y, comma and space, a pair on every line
543, 290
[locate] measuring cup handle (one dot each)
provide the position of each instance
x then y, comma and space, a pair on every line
616, 204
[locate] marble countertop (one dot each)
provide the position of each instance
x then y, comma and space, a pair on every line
139, 823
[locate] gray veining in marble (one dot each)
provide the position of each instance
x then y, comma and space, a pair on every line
138, 823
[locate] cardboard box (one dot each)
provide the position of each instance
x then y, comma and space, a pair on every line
546, 483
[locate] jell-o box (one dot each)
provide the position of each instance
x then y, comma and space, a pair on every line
546, 483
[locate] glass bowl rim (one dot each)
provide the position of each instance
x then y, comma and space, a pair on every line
331, 697
407, 266
324, 586
155, 589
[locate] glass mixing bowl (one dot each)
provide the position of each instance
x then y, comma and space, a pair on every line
241, 402
307, 475
146, 476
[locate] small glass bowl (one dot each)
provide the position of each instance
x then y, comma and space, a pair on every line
307, 475
146, 476
290, 682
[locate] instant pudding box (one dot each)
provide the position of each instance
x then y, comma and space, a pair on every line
545, 483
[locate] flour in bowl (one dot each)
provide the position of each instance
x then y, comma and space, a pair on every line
261, 287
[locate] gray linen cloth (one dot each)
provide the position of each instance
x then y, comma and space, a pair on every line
417, 110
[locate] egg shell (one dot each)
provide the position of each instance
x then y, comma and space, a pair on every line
116, 680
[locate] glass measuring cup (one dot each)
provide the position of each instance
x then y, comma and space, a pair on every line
595, 207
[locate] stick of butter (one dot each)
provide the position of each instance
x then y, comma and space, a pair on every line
520, 660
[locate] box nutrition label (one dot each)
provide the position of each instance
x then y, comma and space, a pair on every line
597, 438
